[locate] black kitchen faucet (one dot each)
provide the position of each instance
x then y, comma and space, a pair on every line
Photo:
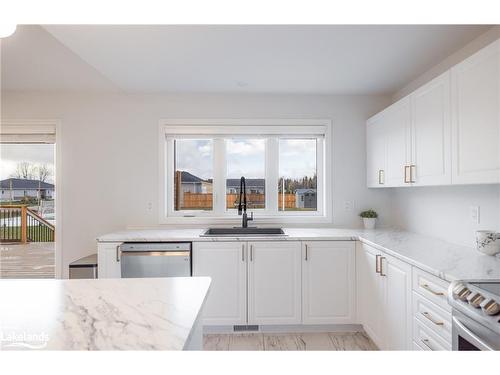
242, 205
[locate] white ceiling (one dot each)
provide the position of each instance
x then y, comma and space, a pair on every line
33, 60
272, 59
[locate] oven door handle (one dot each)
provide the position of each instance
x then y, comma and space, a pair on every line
469, 336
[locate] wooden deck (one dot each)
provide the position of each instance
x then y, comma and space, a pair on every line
34, 260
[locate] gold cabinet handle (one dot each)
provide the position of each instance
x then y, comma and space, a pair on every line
429, 316
407, 180
429, 289
426, 343
118, 253
381, 176
381, 272
307, 257
377, 258
413, 170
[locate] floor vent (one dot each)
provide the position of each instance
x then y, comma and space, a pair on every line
245, 328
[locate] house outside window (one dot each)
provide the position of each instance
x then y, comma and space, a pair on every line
286, 164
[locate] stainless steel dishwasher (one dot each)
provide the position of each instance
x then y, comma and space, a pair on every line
155, 259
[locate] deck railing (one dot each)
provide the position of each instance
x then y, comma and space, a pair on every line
18, 223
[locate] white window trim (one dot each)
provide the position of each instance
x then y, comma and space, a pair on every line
259, 127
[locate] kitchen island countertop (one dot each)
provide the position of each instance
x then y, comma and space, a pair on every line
102, 314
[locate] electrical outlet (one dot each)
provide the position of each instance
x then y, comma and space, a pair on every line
474, 214
349, 205
150, 206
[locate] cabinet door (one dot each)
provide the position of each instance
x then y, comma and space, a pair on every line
225, 263
431, 133
476, 118
397, 313
370, 292
274, 282
328, 282
375, 151
108, 264
397, 132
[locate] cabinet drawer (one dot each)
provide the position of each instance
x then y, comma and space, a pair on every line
432, 316
427, 339
416, 347
431, 287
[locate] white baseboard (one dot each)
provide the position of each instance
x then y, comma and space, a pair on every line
301, 328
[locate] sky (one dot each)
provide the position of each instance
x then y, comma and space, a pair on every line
246, 157
12, 154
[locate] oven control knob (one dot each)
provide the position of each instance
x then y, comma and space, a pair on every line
490, 307
475, 299
461, 292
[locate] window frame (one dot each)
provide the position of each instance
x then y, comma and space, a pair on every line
220, 129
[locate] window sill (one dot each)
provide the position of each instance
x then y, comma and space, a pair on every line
258, 220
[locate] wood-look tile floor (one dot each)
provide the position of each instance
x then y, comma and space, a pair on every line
289, 341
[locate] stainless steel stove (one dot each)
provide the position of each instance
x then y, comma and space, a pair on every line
476, 314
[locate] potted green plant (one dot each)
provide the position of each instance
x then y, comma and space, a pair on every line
369, 218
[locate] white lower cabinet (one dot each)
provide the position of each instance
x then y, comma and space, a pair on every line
225, 263
108, 260
384, 298
397, 313
277, 282
370, 293
328, 282
274, 282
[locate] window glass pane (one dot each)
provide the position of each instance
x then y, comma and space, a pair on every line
297, 189
247, 158
193, 179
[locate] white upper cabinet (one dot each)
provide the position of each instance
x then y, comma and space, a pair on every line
388, 145
274, 282
328, 282
431, 133
398, 142
376, 151
476, 117
225, 263
446, 132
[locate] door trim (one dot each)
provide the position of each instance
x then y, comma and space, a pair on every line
58, 256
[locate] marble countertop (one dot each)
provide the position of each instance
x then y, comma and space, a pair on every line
443, 259
103, 314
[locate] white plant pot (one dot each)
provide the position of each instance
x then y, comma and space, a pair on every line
369, 222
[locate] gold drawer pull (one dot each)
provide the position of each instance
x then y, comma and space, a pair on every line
429, 289
429, 316
426, 343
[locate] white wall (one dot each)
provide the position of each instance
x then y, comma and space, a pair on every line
444, 212
110, 151
469, 49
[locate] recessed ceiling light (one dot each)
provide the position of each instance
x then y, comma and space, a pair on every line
7, 30
241, 84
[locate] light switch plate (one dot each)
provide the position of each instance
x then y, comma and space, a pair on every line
348, 205
474, 214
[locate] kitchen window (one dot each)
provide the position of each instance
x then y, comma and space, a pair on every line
286, 164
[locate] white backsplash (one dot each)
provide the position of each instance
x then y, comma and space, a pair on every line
445, 211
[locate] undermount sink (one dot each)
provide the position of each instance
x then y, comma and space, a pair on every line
239, 231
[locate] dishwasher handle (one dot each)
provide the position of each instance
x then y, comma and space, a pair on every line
156, 253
